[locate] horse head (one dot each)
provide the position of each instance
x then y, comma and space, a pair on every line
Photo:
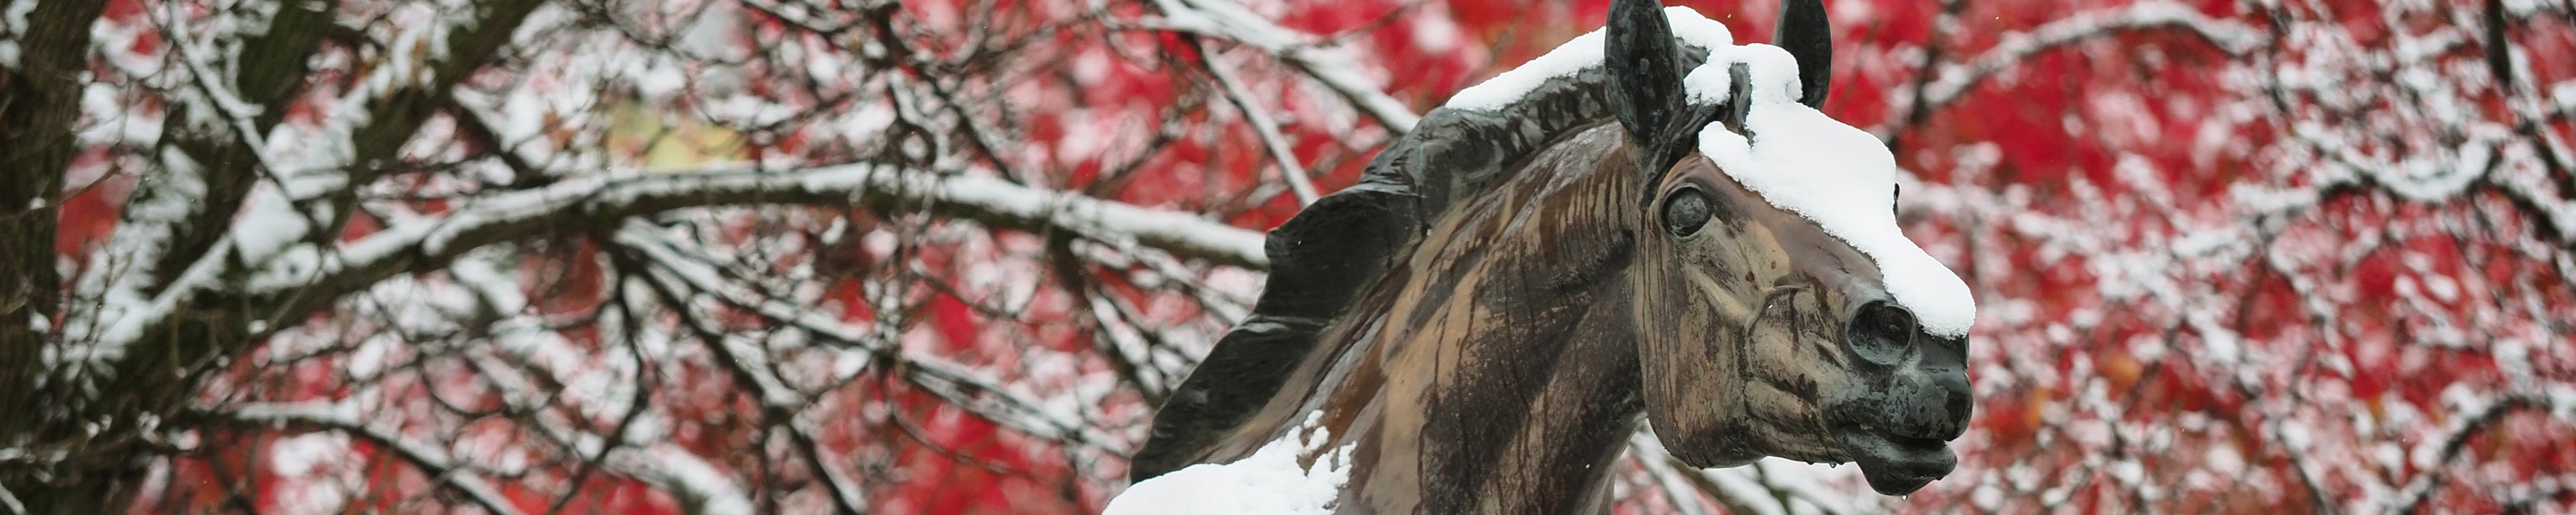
1780, 311
1741, 280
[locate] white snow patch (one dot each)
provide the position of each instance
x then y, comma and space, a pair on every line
119, 120
1267, 483
701, 487
13, 23
1805, 162
101, 333
1328, 65
347, 419
370, 357
267, 225
300, 455
1577, 54
1436, 33
1840, 177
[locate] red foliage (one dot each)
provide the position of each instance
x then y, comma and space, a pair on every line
2214, 276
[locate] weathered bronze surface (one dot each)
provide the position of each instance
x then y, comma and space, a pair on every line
1487, 314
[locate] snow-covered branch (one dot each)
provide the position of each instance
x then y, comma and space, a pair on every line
468, 213
960, 384
177, 240
701, 487
1290, 170
2014, 48
993, 202
2434, 456
1679, 481
432, 461
302, 273
1766, 487
781, 404
1227, 20
534, 373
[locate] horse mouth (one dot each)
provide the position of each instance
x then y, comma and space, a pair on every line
1895, 464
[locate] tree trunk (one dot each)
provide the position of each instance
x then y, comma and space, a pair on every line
39, 102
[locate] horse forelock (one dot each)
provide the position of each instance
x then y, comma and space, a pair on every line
1457, 153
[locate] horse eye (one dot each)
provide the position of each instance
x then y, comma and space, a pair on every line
1686, 211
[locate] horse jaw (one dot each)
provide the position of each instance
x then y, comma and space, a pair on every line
1754, 348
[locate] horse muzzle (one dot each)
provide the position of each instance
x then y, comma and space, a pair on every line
1912, 400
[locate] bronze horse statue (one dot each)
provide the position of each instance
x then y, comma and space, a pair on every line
1483, 318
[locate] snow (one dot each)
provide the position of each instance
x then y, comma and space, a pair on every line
2012, 49
1813, 485
645, 452
1436, 33
120, 123
1574, 56
1770, 486
346, 417
1226, 19
1118, 224
1270, 482
951, 380
267, 225
296, 456
1840, 177
101, 332
370, 357
1803, 161
13, 24
701, 487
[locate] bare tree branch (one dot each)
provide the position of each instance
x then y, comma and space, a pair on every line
957, 383
1955, 79
781, 405
39, 101
1290, 170
432, 461
2435, 456
1224, 19
994, 202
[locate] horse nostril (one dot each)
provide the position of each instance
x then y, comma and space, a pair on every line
1881, 333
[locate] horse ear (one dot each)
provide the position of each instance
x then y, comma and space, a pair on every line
1645, 67
1807, 35
1739, 99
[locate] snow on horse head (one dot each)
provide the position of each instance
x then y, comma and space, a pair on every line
1649, 219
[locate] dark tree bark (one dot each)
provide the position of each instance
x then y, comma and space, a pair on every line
97, 438
39, 101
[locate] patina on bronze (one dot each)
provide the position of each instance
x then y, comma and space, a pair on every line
1487, 314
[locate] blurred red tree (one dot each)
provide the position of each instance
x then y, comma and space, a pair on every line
716, 256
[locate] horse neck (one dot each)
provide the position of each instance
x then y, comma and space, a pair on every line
1494, 371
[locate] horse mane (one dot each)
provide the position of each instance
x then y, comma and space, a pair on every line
1323, 258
